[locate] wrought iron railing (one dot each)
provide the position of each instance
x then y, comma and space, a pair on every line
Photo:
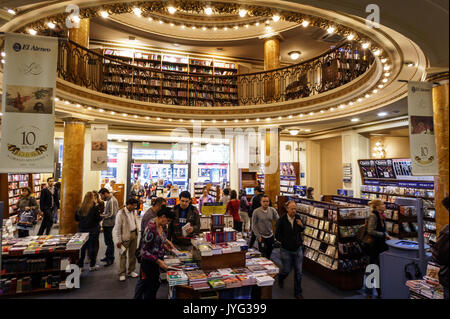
93, 70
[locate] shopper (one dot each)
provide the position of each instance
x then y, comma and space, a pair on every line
88, 217
376, 229
27, 208
154, 243
147, 190
233, 209
151, 213
205, 198
262, 220
440, 253
310, 193
225, 197
184, 213
126, 231
58, 195
138, 193
109, 220
255, 204
101, 208
289, 233
243, 212
49, 202
110, 186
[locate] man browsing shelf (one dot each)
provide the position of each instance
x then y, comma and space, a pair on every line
184, 213
262, 220
49, 203
289, 231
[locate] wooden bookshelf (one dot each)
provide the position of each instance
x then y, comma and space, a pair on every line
178, 85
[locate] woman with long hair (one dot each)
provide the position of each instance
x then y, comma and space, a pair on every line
233, 210
243, 212
88, 218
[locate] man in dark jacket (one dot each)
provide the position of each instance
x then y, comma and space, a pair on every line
184, 213
49, 203
440, 253
288, 233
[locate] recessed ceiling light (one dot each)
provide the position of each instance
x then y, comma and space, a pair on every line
171, 10
11, 11
78, 105
341, 106
242, 13
257, 24
332, 108
112, 112
351, 103
235, 121
182, 26
89, 108
290, 116
380, 86
331, 29
366, 45
381, 114
236, 27
161, 21
308, 130
305, 23
66, 102
104, 14
124, 114
215, 28
322, 111
246, 26
137, 11
387, 74
355, 119
387, 67
147, 117
268, 119
51, 25
158, 119
101, 110
280, 117
293, 132
276, 18
3, 54
171, 24
375, 91
246, 120
377, 52
208, 10
170, 120
150, 19
385, 80
360, 99
311, 113
367, 96
384, 60
181, 120
225, 28
225, 121
350, 37
294, 55
135, 116
204, 28
32, 31
214, 121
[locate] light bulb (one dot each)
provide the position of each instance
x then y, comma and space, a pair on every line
384, 60
215, 29
242, 13
305, 23
331, 29
385, 80
32, 31
355, 119
387, 67
350, 37
293, 132
137, 11
104, 14
51, 25
308, 130
246, 26
276, 18
3, 54
208, 11
377, 52
381, 114
11, 11
366, 45
171, 10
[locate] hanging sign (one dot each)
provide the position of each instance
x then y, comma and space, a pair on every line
421, 129
29, 84
99, 147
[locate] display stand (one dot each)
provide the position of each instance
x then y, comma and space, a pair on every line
322, 256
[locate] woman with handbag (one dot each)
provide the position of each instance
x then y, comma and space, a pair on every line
376, 236
28, 209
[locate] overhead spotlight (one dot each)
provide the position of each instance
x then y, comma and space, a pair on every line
246, 26
257, 120
276, 18
290, 116
89, 108
280, 117
332, 108
194, 27
171, 24
225, 28
135, 116
268, 119
3, 54
112, 112
387, 67
380, 86
235, 121
294, 55
257, 24
375, 91
32, 31
385, 80
360, 99
104, 14
11, 11
366, 45
308, 130
381, 114
51, 25
387, 74
182, 26
101, 110
158, 119
301, 115
215, 28
161, 21
204, 28
377, 52
124, 114
150, 19
350, 37
246, 120
236, 27
355, 119
341, 106
214, 121
147, 117
3, 61
171, 10
331, 29
293, 132
311, 113
305, 23
367, 96
137, 11
66, 102
78, 105
351, 103
384, 60
242, 13
322, 111
208, 11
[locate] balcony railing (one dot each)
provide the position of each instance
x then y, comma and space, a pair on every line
93, 70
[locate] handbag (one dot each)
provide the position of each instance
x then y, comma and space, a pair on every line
363, 236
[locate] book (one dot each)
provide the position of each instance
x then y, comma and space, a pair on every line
216, 283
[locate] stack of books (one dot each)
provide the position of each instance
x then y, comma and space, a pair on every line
176, 278
205, 250
196, 276
246, 279
225, 271
217, 283
77, 241
213, 274
216, 250
264, 280
231, 281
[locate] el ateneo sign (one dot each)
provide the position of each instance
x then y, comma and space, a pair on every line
29, 84
421, 129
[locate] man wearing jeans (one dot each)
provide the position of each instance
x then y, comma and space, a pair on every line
288, 232
109, 220
262, 220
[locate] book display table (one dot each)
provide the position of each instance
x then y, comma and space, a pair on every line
37, 264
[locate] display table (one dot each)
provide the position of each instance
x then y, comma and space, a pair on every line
232, 260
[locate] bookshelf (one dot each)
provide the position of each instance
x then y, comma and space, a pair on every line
11, 186
289, 176
331, 251
171, 79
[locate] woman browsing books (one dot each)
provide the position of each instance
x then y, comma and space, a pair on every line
154, 243
233, 209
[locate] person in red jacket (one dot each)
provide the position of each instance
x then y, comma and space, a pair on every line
233, 209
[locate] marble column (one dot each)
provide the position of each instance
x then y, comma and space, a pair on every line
441, 130
77, 64
72, 174
271, 61
272, 164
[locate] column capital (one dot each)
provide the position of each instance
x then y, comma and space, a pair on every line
74, 120
440, 78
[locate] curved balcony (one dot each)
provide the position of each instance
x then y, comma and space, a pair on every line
105, 74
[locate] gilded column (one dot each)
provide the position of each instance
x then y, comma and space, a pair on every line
72, 174
271, 61
272, 164
441, 130
77, 62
